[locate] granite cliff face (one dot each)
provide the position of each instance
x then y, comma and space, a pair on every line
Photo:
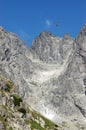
50, 76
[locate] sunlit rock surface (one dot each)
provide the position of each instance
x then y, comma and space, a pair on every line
50, 76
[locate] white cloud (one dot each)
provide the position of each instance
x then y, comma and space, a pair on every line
48, 23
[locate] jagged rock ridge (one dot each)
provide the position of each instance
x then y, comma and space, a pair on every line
50, 76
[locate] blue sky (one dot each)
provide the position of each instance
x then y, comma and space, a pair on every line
28, 18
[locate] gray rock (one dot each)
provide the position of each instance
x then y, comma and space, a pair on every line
50, 48
1, 126
51, 75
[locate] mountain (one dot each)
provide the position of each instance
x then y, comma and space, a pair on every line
50, 76
15, 114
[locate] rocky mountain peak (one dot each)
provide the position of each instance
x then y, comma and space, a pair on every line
50, 76
67, 36
1, 28
45, 34
81, 42
83, 30
50, 48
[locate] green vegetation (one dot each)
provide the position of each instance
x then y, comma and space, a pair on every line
35, 125
22, 110
27, 121
16, 100
3, 121
10, 128
2, 93
28, 110
35, 115
9, 86
48, 124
